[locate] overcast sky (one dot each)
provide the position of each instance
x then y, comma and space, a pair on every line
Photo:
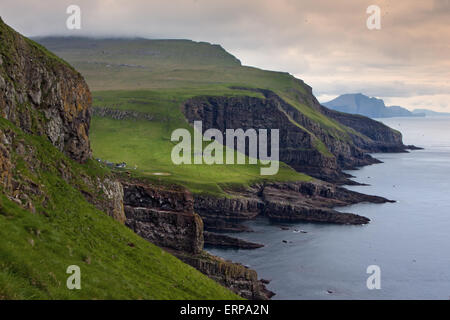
326, 43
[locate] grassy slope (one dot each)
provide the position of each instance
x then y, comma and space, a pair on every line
147, 144
156, 77
36, 249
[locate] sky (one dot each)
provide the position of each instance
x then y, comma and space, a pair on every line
325, 43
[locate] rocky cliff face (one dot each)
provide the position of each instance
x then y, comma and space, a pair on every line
165, 216
296, 145
236, 277
42, 94
382, 138
299, 135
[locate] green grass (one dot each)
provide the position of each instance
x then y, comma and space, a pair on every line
147, 145
11, 42
37, 248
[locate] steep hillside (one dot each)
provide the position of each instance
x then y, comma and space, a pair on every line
57, 204
198, 76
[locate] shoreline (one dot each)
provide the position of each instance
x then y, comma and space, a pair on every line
289, 225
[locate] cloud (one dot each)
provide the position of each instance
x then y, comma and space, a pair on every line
324, 42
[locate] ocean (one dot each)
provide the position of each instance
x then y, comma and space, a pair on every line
408, 240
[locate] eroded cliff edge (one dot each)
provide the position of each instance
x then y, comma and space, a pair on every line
282, 202
306, 145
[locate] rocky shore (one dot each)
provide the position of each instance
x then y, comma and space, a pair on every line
172, 218
289, 202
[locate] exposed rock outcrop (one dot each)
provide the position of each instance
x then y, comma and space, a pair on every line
383, 138
290, 201
224, 241
42, 94
236, 277
118, 114
112, 201
297, 146
165, 217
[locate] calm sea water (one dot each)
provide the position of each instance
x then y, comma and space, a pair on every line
409, 240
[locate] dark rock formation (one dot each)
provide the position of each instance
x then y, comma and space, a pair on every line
300, 144
294, 201
296, 145
225, 208
382, 138
42, 94
234, 276
177, 230
117, 114
165, 216
224, 241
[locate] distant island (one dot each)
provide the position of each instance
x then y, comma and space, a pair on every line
358, 103
430, 113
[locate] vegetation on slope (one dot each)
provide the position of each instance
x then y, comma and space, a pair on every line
146, 144
36, 248
155, 77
